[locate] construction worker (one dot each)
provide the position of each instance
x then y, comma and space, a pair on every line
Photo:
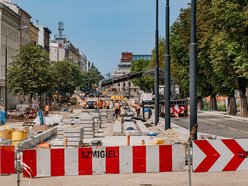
46, 110
107, 104
116, 109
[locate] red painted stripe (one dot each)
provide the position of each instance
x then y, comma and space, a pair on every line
211, 155
237, 151
7, 160
84, 161
29, 158
165, 158
112, 160
139, 159
57, 162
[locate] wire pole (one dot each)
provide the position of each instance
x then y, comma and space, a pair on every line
156, 71
193, 69
167, 67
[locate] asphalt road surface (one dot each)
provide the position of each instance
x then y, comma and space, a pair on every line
217, 124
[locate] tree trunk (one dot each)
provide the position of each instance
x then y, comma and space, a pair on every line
243, 104
213, 103
200, 103
232, 106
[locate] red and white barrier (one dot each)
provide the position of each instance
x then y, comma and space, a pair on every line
220, 155
7, 160
104, 160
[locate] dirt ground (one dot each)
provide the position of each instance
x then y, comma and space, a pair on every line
151, 179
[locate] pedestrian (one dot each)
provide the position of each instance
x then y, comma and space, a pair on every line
107, 104
41, 117
3, 116
116, 109
46, 110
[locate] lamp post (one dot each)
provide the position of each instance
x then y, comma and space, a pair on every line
167, 86
193, 66
6, 66
156, 71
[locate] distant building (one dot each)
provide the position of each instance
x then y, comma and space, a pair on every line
43, 36
124, 67
83, 62
62, 49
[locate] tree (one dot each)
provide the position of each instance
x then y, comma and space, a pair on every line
145, 83
90, 79
30, 73
67, 76
229, 48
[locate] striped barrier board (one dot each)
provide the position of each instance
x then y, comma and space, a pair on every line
104, 160
7, 160
220, 155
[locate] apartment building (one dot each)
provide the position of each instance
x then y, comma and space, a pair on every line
10, 42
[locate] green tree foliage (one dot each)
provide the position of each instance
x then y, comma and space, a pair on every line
229, 46
90, 79
67, 76
161, 56
30, 73
222, 27
145, 83
180, 39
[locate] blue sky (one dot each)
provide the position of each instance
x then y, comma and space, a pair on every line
103, 29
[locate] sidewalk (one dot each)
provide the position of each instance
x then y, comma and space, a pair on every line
224, 114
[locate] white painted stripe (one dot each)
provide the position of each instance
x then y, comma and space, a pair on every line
43, 162
231, 128
71, 161
178, 157
221, 126
152, 158
98, 163
198, 156
225, 155
243, 131
126, 159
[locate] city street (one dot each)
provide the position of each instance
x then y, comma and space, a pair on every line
217, 123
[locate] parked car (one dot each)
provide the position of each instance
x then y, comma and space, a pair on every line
90, 104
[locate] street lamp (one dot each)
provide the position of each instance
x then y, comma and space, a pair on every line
193, 64
167, 87
6, 65
156, 70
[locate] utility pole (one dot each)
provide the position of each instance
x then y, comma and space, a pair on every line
193, 69
156, 71
167, 87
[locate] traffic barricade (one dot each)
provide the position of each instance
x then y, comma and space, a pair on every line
104, 160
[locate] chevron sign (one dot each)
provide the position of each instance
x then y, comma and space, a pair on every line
220, 155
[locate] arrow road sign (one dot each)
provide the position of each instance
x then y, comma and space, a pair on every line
220, 155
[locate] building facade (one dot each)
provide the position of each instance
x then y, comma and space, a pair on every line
33, 34
25, 19
43, 36
10, 42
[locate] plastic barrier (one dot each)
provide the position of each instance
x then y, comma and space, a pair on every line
7, 160
104, 160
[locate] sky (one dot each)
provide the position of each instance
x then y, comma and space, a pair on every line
103, 29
